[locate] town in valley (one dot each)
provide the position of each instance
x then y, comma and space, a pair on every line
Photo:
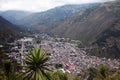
63, 53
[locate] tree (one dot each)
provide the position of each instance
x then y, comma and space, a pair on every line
7, 68
103, 70
36, 65
92, 73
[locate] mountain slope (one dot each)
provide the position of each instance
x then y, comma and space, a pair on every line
44, 19
108, 42
88, 25
8, 31
13, 16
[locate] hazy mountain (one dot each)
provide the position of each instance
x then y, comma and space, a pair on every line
42, 19
13, 15
8, 31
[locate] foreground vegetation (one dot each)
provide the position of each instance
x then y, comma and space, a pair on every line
36, 67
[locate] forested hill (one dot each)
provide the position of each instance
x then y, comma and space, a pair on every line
108, 42
87, 25
8, 31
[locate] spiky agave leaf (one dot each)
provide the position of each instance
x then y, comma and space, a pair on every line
36, 64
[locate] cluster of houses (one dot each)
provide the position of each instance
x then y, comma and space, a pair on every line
72, 59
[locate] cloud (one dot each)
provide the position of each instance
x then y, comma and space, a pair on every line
38, 5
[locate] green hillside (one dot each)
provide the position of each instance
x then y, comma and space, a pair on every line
8, 31
108, 42
86, 26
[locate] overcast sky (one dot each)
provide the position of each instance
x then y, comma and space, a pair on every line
39, 5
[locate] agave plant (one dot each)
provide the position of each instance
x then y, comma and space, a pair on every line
36, 65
